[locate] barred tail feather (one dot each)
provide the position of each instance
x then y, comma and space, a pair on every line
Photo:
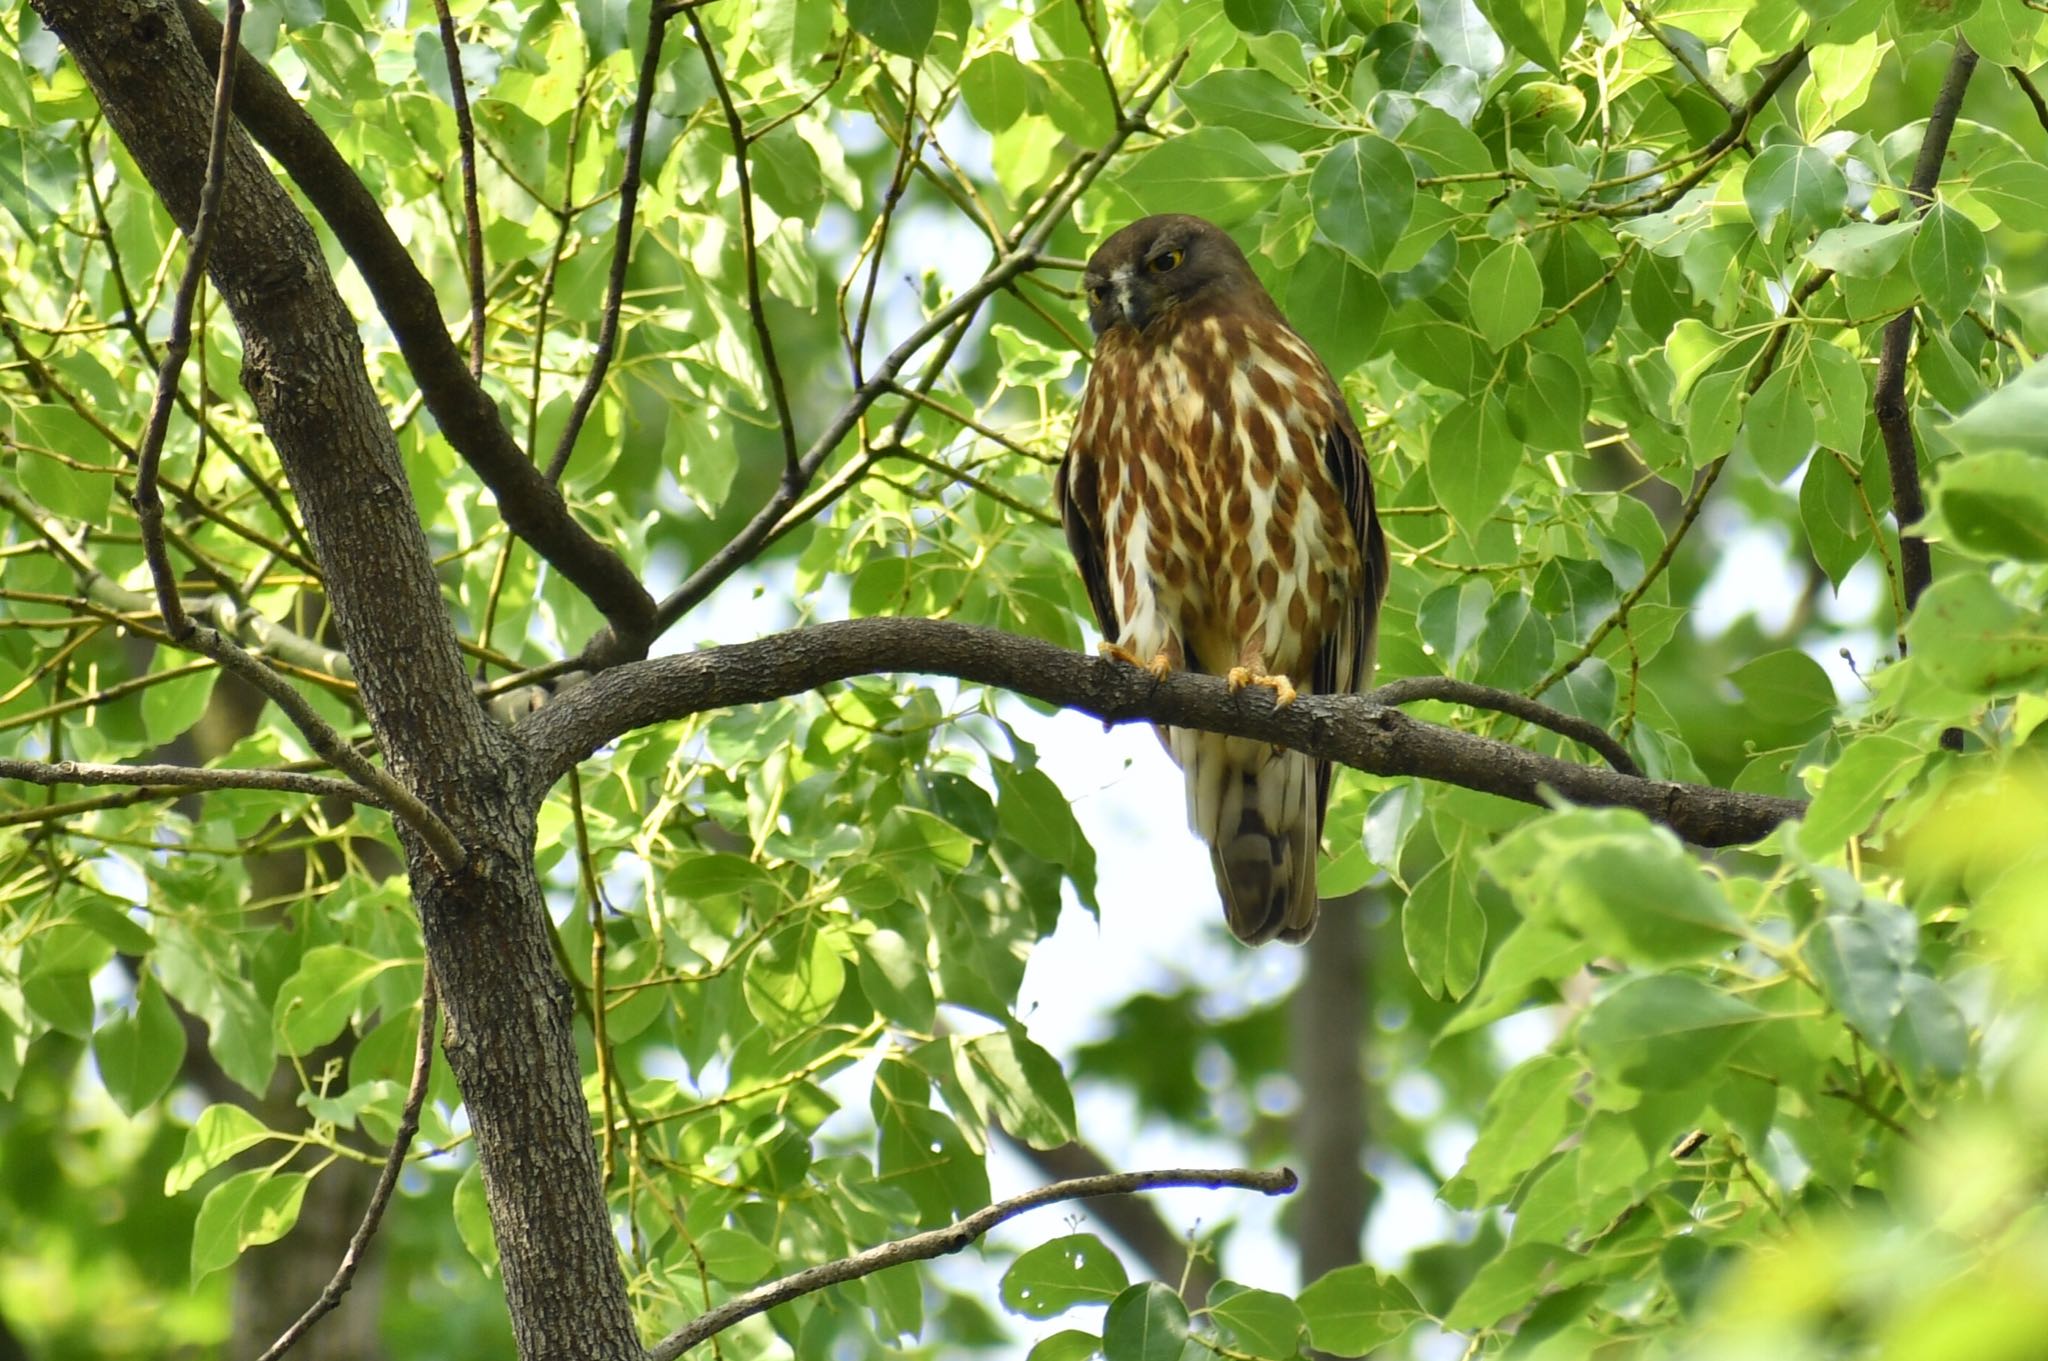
1257, 810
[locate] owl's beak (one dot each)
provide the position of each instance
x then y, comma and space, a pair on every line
1133, 302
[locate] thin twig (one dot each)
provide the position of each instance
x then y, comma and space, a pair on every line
387, 1181
764, 339
1774, 78
1414, 689
1894, 414
149, 506
622, 244
940, 1242
2032, 92
1685, 59
54, 773
465, 133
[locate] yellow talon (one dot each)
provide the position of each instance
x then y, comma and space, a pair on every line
1160, 667
1240, 677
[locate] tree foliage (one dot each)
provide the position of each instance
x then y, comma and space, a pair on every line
1637, 304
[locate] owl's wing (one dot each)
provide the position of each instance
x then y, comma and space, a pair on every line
1344, 663
1080, 502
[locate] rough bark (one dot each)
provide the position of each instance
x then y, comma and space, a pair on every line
1329, 1023
509, 1040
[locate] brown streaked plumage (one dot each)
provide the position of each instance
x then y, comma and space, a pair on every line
1218, 503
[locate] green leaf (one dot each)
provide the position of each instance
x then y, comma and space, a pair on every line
895, 980
220, 1132
1541, 30
904, 27
1534, 952
1644, 898
2013, 417
1068, 1344
1992, 506
139, 1052
1831, 379
911, 836
1516, 644
793, 979
1948, 261
51, 439
1862, 250
1664, 1030
997, 88
1037, 815
1970, 638
1778, 425
245, 1211
1019, 1086
1460, 35
1506, 293
1930, 1038
1797, 188
1714, 414
473, 1217
1837, 530
1338, 307
1354, 1309
1259, 105
1147, 1322
1875, 767
1861, 961
2017, 191
1443, 929
1056, 1276
1525, 1117
1217, 173
1473, 457
734, 1257
315, 1003
1786, 688
1362, 193
1508, 1282
1263, 1323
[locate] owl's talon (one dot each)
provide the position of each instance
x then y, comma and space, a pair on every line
1241, 677
1159, 668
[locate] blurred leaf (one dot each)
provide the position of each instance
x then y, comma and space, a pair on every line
904, 27
139, 1052
1664, 1030
1145, 1323
1354, 1309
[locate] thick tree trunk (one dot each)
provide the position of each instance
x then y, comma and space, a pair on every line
509, 1039
1331, 1016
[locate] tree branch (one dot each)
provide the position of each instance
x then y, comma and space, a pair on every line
1894, 412
1354, 730
532, 507
53, 773
940, 1242
472, 221
387, 1181
622, 245
1415, 689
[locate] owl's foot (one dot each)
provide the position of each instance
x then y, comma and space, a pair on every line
1242, 677
1160, 667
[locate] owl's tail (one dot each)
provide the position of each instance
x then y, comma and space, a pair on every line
1257, 810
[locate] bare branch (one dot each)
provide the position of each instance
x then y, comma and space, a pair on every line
472, 222
1414, 689
387, 1181
750, 255
1894, 412
52, 773
622, 245
923, 1247
1685, 60
149, 506
1353, 730
2032, 92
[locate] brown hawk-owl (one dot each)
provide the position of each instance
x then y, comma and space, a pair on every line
1217, 500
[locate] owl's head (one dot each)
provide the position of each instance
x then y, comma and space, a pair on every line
1154, 268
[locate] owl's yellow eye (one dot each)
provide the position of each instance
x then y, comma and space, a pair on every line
1165, 260
1096, 293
